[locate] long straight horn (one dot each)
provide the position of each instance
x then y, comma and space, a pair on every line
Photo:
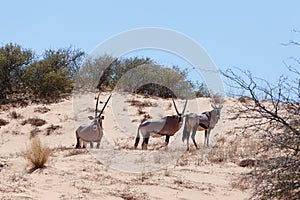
212, 101
104, 106
97, 105
184, 106
175, 106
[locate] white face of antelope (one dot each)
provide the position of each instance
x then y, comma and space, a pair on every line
96, 122
217, 110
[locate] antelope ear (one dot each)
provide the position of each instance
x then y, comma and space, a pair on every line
91, 117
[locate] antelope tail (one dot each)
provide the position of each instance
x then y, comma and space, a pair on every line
77, 141
185, 131
137, 139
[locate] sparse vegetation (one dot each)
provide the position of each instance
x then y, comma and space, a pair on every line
74, 152
140, 104
42, 109
141, 112
52, 128
26, 77
272, 112
14, 115
34, 132
34, 121
3, 122
128, 194
37, 155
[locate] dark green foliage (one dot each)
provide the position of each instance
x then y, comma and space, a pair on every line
118, 68
24, 76
54, 74
13, 61
155, 90
134, 75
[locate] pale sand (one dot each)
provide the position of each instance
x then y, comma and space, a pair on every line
77, 174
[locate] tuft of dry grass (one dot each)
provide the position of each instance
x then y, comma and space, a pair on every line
42, 109
37, 155
34, 121
247, 162
219, 153
52, 128
147, 116
243, 182
74, 152
140, 104
141, 112
3, 122
14, 115
34, 133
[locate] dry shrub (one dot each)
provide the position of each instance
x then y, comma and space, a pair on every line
3, 122
248, 162
42, 109
243, 183
233, 150
129, 194
244, 99
37, 155
141, 112
14, 115
74, 152
140, 104
147, 116
221, 153
34, 132
34, 121
52, 128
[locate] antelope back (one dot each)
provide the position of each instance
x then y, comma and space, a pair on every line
172, 125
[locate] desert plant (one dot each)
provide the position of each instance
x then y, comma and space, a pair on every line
273, 112
52, 128
3, 122
53, 76
13, 60
14, 115
34, 133
37, 155
34, 121
140, 104
42, 109
141, 112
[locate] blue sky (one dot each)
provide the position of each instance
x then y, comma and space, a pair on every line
240, 34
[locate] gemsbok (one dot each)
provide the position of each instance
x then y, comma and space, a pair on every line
91, 132
203, 122
166, 126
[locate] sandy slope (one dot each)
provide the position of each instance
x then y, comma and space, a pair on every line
120, 172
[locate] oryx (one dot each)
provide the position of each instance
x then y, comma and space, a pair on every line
205, 121
94, 131
166, 126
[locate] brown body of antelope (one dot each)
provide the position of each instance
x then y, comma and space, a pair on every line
203, 122
92, 132
166, 126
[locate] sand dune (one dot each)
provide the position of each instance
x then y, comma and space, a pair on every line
116, 170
